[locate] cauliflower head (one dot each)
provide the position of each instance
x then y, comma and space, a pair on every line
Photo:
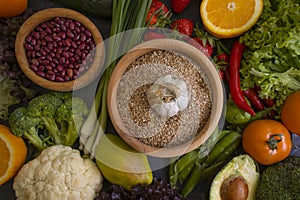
58, 173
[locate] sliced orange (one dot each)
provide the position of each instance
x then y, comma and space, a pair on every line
13, 152
230, 18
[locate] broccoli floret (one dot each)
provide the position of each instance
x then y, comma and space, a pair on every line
51, 118
280, 181
22, 124
44, 107
70, 116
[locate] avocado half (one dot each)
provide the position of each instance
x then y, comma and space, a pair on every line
243, 171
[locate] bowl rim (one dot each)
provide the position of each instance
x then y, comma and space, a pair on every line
47, 14
215, 84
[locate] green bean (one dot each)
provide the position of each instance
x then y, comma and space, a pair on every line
220, 147
193, 180
229, 150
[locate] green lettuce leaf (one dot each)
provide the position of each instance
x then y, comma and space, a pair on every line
272, 57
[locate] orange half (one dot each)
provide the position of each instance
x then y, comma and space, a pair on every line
13, 152
229, 18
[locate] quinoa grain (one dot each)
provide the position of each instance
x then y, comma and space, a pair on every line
136, 113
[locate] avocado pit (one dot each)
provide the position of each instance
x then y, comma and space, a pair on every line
234, 188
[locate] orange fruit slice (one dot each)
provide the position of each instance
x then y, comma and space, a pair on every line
290, 112
13, 152
229, 18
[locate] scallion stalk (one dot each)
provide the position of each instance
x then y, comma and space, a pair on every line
126, 15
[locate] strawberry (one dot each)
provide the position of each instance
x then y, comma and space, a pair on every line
179, 5
157, 5
151, 35
205, 40
207, 48
184, 26
158, 15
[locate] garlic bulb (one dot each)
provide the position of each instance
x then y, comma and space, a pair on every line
168, 95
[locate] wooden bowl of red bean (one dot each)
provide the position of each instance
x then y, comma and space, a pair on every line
60, 49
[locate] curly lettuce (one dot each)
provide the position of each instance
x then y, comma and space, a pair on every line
272, 57
6, 87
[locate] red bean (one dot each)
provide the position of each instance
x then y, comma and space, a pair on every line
56, 49
41, 68
35, 62
29, 54
63, 28
62, 35
63, 73
74, 45
48, 39
50, 77
49, 57
81, 47
70, 73
62, 60
45, 62
59, 79
68, 42
28, 39
28, 47
70, 34
88, 33
49, 68
48, 30
34, 68
40, 73
71, 26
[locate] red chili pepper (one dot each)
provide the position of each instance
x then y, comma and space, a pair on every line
234, 83
254, 99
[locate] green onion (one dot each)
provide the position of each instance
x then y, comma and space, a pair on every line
126, 15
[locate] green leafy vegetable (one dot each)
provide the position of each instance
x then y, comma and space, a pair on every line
6, 87
272, 58
14, 85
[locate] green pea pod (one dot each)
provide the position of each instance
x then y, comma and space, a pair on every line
220, 147
207, 172
188, 169
172, 175
180, 164
229, 150
223, 133
186, 172
193, 180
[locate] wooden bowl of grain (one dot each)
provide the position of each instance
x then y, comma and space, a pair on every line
161, 129
60, 49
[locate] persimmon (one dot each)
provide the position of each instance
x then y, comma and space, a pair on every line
290, 113
267, 141
12, 8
